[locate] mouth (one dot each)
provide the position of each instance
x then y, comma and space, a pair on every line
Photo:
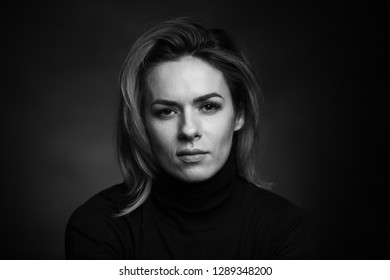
191, 156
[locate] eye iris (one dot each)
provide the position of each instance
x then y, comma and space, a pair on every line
209, 107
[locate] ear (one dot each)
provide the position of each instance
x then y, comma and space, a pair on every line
240, 121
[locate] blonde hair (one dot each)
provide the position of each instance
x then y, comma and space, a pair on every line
169, 41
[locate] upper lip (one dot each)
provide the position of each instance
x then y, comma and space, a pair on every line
187, 152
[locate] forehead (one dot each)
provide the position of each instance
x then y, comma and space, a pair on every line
185, 79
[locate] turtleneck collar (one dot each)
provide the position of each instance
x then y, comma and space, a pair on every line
173, 194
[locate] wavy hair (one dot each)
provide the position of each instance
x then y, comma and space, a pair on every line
170, 41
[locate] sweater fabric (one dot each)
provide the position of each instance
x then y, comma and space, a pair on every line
225, 217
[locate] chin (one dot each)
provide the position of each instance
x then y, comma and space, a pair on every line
195, 176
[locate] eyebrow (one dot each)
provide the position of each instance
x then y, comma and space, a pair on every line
196, 100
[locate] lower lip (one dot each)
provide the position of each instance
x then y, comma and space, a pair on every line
192, 158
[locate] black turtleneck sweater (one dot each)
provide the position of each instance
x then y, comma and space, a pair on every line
225, 217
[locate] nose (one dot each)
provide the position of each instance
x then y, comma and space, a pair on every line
189, 129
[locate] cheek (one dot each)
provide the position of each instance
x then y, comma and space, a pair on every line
161, 135
221, 131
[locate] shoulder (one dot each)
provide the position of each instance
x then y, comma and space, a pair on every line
287, 231
267, 201
94, 231
103, 206
104, 202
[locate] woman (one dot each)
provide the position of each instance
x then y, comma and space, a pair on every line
187, 124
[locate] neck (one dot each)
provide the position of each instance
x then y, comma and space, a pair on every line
200, 197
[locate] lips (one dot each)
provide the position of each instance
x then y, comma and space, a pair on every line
191, 156
186, 152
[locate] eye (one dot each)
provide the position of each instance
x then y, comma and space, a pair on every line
210, 107
166, 113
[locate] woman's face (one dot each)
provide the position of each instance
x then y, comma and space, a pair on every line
190, 118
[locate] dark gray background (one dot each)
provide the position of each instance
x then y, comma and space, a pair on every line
318, 65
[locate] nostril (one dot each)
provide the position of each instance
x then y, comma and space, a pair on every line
189, 133
189, 137
189, 130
